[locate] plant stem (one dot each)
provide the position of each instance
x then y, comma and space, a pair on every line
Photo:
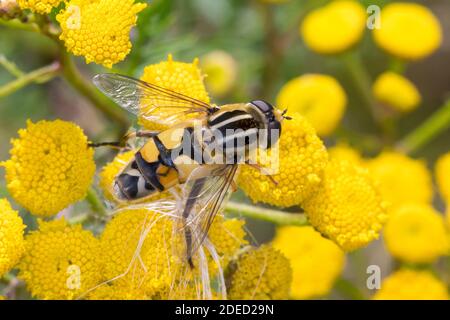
95, 202
348, 289
44, 72
11, 67
269, 215
101, 102
438, 122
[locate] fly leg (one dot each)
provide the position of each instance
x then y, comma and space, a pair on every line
192, 198
263, 171
122, 143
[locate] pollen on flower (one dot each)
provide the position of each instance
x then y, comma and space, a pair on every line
99, 30
180, 77
416, 233
61, 261
12, 244
335, 27
442, 172
116, 292
344, 152
260, 274
408, 30
51, 166
347, 208
396, 91
302, 159
39, 6
401, 179
409, 284
307, 250
319, 98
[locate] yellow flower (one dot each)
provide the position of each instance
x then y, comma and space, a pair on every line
412, 285
39, 6
111, 170
2, 297
156, 267
116, 292
335, 27
221, 71
317, 97
344, 152
12, 244
61, 261
99, 30
408, 30
184, 78
396, 91
261, 273
401, 179
50, 167
443, 176
347, 208
416, 233
307, 250
302, 159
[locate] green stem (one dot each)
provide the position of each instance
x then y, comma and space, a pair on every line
17, 24
348, 289
269, 215
10, 66
438, 122
100, 101
397, 65
95, 202
45, 72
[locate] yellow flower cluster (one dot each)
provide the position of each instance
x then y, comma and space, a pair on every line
12, 244
261, 273
117, 292
401, 179
347, 208
99, 30
141, 253
412, 285
408, 30
416, 233
184, 78
61, 261
51, 166
39, 6
443, 176
396, 92
221, 72
344, 152
319, 98
335, 27
307, 252
302, 159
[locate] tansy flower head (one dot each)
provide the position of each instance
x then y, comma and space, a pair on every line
221, 71
184, 78
416, 233
99, 30
442, 171
396, 92
334, 27
12, 244
39, 6
51, 166
319, 98
344, 152
117, 292
261, 273
412, 285
302, 159
140, 250
61, 261
408, 30
307, 250
401, 179
347, 208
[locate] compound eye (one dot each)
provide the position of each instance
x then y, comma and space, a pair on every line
262, 105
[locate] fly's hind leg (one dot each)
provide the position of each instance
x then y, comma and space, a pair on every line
263, 171
122, 143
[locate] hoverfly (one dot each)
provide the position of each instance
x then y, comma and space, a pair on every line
161, 163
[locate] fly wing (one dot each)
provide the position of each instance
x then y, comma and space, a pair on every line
203, 200
150, 101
